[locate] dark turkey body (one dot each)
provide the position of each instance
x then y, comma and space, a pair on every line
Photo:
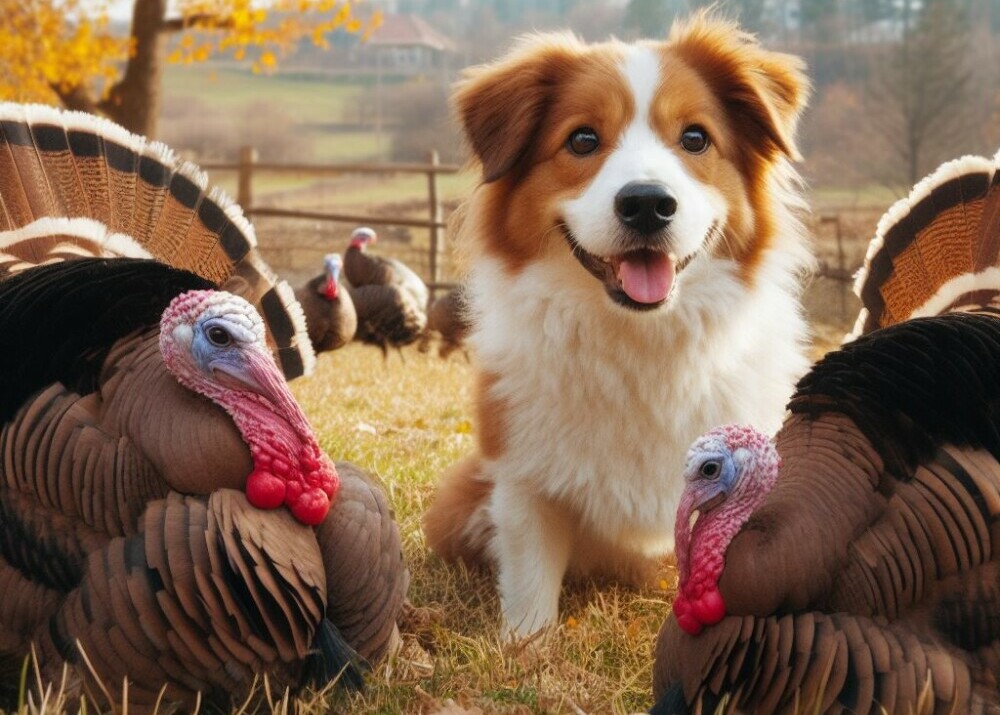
123, 525
868, 581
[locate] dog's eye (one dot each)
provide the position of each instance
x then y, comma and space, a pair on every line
694, 139
583, 141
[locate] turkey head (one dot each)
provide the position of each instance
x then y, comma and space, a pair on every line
213, 343
728, 473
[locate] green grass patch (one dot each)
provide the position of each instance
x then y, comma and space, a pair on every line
309, 99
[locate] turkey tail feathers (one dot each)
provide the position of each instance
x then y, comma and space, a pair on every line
333, 659
58, 169
936, 251
672, 702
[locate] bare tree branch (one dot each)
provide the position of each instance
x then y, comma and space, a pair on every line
179, 24
79, 98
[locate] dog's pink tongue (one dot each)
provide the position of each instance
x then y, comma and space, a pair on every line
646, 276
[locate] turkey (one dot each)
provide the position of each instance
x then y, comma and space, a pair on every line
166, 514
364, 269
859, 575
448, 318
329, 310
390, 299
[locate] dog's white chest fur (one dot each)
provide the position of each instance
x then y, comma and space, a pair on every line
601, 404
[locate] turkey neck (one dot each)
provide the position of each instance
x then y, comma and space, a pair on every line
703, 549
790, 551
273, 425
701, 557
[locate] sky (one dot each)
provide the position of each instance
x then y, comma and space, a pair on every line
121, 9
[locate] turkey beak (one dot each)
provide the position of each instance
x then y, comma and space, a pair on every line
236, 379
256, 373
705, 507
711, 503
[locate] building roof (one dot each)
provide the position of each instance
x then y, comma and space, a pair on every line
409, 30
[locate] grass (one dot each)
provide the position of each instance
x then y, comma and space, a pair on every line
229, 90
407, 419
310, 108
407, 422
349, 193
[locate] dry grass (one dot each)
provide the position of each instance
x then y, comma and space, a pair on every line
407, 419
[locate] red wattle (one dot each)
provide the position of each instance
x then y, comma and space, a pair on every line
264, 490
689, 624
330, 291
694, 614
311, 507
685, 619
709, 609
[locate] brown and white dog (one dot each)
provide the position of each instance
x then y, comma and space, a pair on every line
634, 282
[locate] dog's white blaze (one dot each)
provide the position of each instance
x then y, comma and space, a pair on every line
641, 155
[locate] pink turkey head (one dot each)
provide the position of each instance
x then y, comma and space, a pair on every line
729, 472
362, 236
213, 343
332, 264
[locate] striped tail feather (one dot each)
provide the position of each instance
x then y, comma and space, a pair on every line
937, 250
73, 184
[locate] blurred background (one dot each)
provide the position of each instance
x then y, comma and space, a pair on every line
261, 93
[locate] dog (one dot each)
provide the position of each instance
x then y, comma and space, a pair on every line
636, 252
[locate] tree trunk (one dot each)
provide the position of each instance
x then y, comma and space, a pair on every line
134, 102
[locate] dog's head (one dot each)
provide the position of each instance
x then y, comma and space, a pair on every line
635, 158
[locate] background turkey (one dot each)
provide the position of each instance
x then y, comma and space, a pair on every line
123, 525
865, 580
447, 318
329, 310
390, 299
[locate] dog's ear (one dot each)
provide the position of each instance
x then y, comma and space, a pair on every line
764, 91
502, 105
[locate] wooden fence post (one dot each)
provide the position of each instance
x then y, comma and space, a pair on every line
436, 212
842, 267
841, 273
244, 190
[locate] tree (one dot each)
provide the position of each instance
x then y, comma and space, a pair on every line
919, 96
67, 51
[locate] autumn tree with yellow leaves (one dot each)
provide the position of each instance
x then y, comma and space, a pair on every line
64, 51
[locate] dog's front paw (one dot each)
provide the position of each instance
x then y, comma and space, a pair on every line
528, 620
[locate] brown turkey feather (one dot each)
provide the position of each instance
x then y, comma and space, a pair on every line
58, 169
934, 246
145, 603
366, 589
868, 581
97, 544
387, 316
127, 547
333, 322
448, 317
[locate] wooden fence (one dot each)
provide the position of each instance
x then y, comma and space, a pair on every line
249, 166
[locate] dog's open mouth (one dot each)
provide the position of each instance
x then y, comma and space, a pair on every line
640, 279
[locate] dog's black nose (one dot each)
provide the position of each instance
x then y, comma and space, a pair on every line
645, 206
